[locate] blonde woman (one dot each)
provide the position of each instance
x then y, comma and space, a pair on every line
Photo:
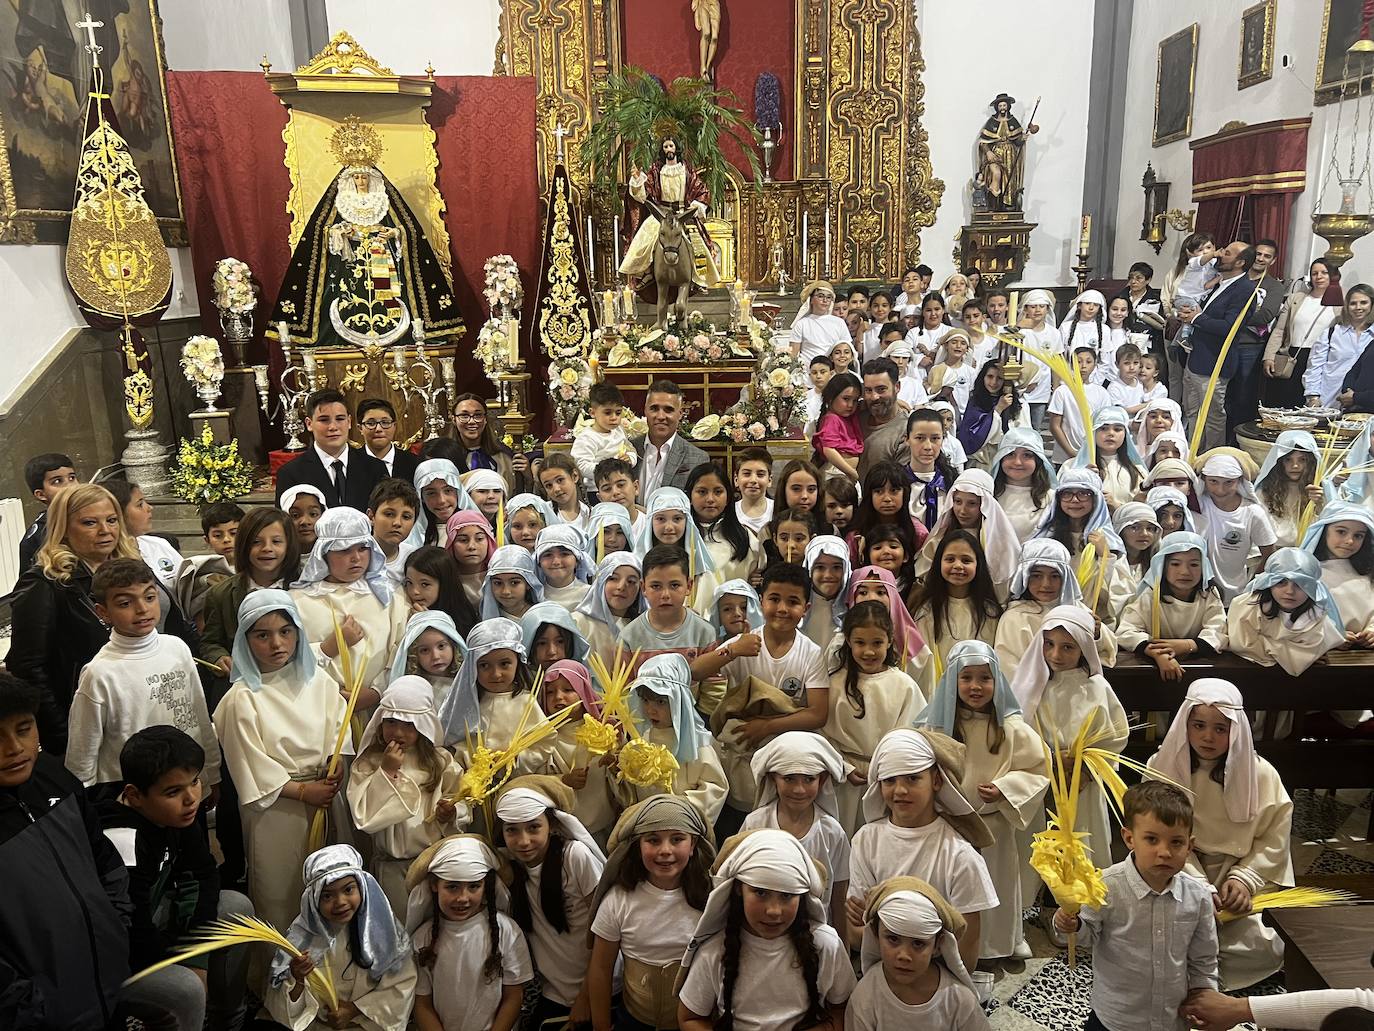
55, 628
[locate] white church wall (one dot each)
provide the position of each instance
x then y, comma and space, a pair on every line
226, 35
961, 78
457, 38
1216, 101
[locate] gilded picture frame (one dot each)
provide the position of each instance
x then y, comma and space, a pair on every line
45, 80
1256, 61
1334, 78
1175, 72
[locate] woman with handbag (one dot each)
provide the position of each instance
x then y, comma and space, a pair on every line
1306, 316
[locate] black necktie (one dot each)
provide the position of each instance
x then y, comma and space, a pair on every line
340, 482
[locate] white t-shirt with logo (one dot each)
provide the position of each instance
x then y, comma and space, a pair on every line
798, 670
1231, 536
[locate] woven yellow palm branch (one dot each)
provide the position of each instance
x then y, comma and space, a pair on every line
646, 765
615, 691
1293, 898
1329, 463
353, 672
1067, 372
247, 930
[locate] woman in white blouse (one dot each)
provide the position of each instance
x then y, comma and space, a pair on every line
1305, 317
1334, 352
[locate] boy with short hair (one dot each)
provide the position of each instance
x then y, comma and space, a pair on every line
753, 480
560, 477
819, 371
64, 924
616, 482
1066, 421
667, 624
393, 507
858, 298
220, 525
605, 437
173, 880
982, 347
1141, 975
138, 679
1126, 390
46, 476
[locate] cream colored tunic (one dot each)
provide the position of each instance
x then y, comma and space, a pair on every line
702, 781
891, 700
384, 1006
271, 737
1353, 592
383, 625
399, 814
1202, 617
569, 597
1019, 505
1256, 854
1278, 641
1019, 625
594, 804
958, 625
1116, 483
502, 715
1018, 770
1124, 580
601, 638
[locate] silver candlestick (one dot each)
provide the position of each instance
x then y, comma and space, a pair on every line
421, 379
296, 385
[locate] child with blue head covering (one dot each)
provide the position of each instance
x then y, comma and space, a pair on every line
440, 487
1177, 610
1342, 540
1287, 481
663, 707
1117, 459
1170, 506
614, 601
278, 725
1003, 777
668, 520
561, 556
735, 609
512, 584
609, 530
1023, 479
526, 516
345, 927
1079, 513
431, 648
550, 634
1286, 615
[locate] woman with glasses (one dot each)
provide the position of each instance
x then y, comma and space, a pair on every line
481, 449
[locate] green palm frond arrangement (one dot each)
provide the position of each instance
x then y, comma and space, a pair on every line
637, 112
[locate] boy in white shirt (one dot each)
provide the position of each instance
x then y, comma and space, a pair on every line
1126, 390
753, 480
1066, 421
140, 679
911, 390
605, 437
879, 314
955, 373
819, 370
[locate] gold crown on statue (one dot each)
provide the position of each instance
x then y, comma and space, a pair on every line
355, 143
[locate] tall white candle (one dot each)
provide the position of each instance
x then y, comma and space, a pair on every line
591, 253
615, 245
826, 270
805, 251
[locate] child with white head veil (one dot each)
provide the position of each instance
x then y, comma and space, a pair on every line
1233, 521
1169, 444
972, 505
1023, 479
296, 502
1242, 821
1176, 611
1285, 616
512, 583
344, 927
1286, 482
344, 583
1038, 329
278, 724
1163, 413
612, 604
1078, 518
827, 563
564, 566
1170, 506
488, 491
400, 784
764, 918
1059, 684
1138, 527
920, 822
609, 529
433, 649
906, 984
950, 446
1004, 777
440, 487
794, 778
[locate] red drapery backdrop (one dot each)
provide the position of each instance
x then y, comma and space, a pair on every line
1254, 169
227, 129
755, 37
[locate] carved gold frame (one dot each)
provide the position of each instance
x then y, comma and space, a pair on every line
1190, 33
1330, 91
1265, 71
21, 225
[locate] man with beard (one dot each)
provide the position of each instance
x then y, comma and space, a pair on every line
884, 427
670, 183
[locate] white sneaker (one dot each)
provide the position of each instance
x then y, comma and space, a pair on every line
1022, 950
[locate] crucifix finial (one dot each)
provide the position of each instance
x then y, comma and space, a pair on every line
560, 131
90, 25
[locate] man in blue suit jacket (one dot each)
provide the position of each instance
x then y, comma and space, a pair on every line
1211, 324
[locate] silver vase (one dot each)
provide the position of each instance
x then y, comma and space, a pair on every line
238, 330
768, 147
209, 396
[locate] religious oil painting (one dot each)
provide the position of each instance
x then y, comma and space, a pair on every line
1340, 72
45, 79
1256, 44
1174, 86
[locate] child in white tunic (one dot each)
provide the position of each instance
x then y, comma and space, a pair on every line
734, 548
1177, 610
795, 776
440, 487
344, 584
827, 560
920, 824
472, 961
762, 956
874, 583
512, 583
564, 567
346, 928
1059, 685
1342, 540
612, 604
1079, 519
1286, 483
1233, 522
277, 726
1044, 580
1242, 819
527, 515
569, 683
431, 648
956, 602
972, 506
1286, 616
541, 835
651, 895
1004, 769
400, 786
1023, 479
472, 546
1117, 460
550, 634
869, 694
913, 974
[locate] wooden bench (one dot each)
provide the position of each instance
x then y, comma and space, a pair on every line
1312, 754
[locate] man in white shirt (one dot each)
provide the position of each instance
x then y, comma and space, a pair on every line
377, 419
668, 458
816, 330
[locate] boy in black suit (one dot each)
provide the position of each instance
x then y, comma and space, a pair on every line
346, 475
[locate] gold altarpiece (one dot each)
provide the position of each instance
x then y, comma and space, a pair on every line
859, 147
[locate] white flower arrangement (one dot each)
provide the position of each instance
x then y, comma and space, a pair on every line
503, 290
775, 396
570, 380
201, 362
493, 349
234, 288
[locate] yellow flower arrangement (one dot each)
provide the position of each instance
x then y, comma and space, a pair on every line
207, 471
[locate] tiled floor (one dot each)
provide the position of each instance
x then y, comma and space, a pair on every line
1328, 837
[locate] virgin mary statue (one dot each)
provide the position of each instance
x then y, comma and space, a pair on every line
363, 273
